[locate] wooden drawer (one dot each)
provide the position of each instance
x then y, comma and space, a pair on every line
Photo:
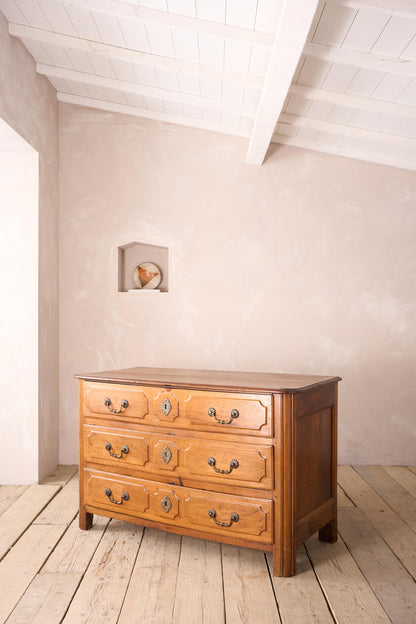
246, 465
229, 412
223, 514
249, 414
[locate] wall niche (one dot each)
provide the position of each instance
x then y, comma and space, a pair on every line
134, 254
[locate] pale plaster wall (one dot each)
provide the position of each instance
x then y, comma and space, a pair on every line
306, 264
19, 252
28, 104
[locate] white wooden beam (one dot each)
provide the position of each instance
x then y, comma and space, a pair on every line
348, 131
148, 114
353, 101
131, 87
397, 8
360, 59
123, 9
294, 24
131, 56
348, 153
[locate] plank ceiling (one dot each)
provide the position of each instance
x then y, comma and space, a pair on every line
336, 76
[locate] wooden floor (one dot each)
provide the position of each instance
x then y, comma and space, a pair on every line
52, 572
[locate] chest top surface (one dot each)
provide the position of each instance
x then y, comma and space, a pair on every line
211, 379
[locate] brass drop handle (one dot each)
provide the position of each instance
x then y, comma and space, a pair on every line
213, 413
124, 449
233, 518
124, 497
233, 464
123, 405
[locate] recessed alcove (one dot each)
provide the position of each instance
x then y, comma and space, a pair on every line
135, 253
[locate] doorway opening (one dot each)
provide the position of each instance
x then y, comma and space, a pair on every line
19, 308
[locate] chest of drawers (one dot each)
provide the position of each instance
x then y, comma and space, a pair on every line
241, 458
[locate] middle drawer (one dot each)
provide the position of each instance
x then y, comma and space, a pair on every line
245, 465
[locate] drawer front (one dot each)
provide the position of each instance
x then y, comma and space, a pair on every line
229, 412
244, 465
247, 414
115, 401
223, 514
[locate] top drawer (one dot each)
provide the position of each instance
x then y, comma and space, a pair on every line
229, 412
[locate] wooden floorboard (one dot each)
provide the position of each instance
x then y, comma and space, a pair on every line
51, 572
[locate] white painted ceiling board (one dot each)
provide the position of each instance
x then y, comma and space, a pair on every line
211, 87
408, 95
395, 37
237, 56
38, 51
365, 82
341, 114
319, 110
58, 56
174, 108
109, 29
334, 24
79, 61
241, 13
189, 83
206, 63
297, 106
313, 72
123, 71
12, 12
135, 34
192, 111
185, 45
83, 22
167, 79
410, 51
391, 87
145, 75
267, 15
154, 4
363, 119
160, 39
33, 13
211, 50
259, 61
365, 30
339, 77
211, 10
102, 66
57, 17
135, 99
182, 7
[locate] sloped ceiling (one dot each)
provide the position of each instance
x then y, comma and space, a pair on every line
336, 76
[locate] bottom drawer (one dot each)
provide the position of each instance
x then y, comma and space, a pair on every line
209, 512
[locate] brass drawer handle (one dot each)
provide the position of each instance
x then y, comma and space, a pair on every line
233, 518
233, 464
124, 497
212, 412
123, 405
124, 449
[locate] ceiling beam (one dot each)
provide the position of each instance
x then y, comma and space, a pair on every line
360, 59
131, 56
353, 101
341, 151
148, 114
348, 131
397, 8
132, 87
294, 24
118, 8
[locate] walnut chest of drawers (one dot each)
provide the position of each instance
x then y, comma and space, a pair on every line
242, 458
